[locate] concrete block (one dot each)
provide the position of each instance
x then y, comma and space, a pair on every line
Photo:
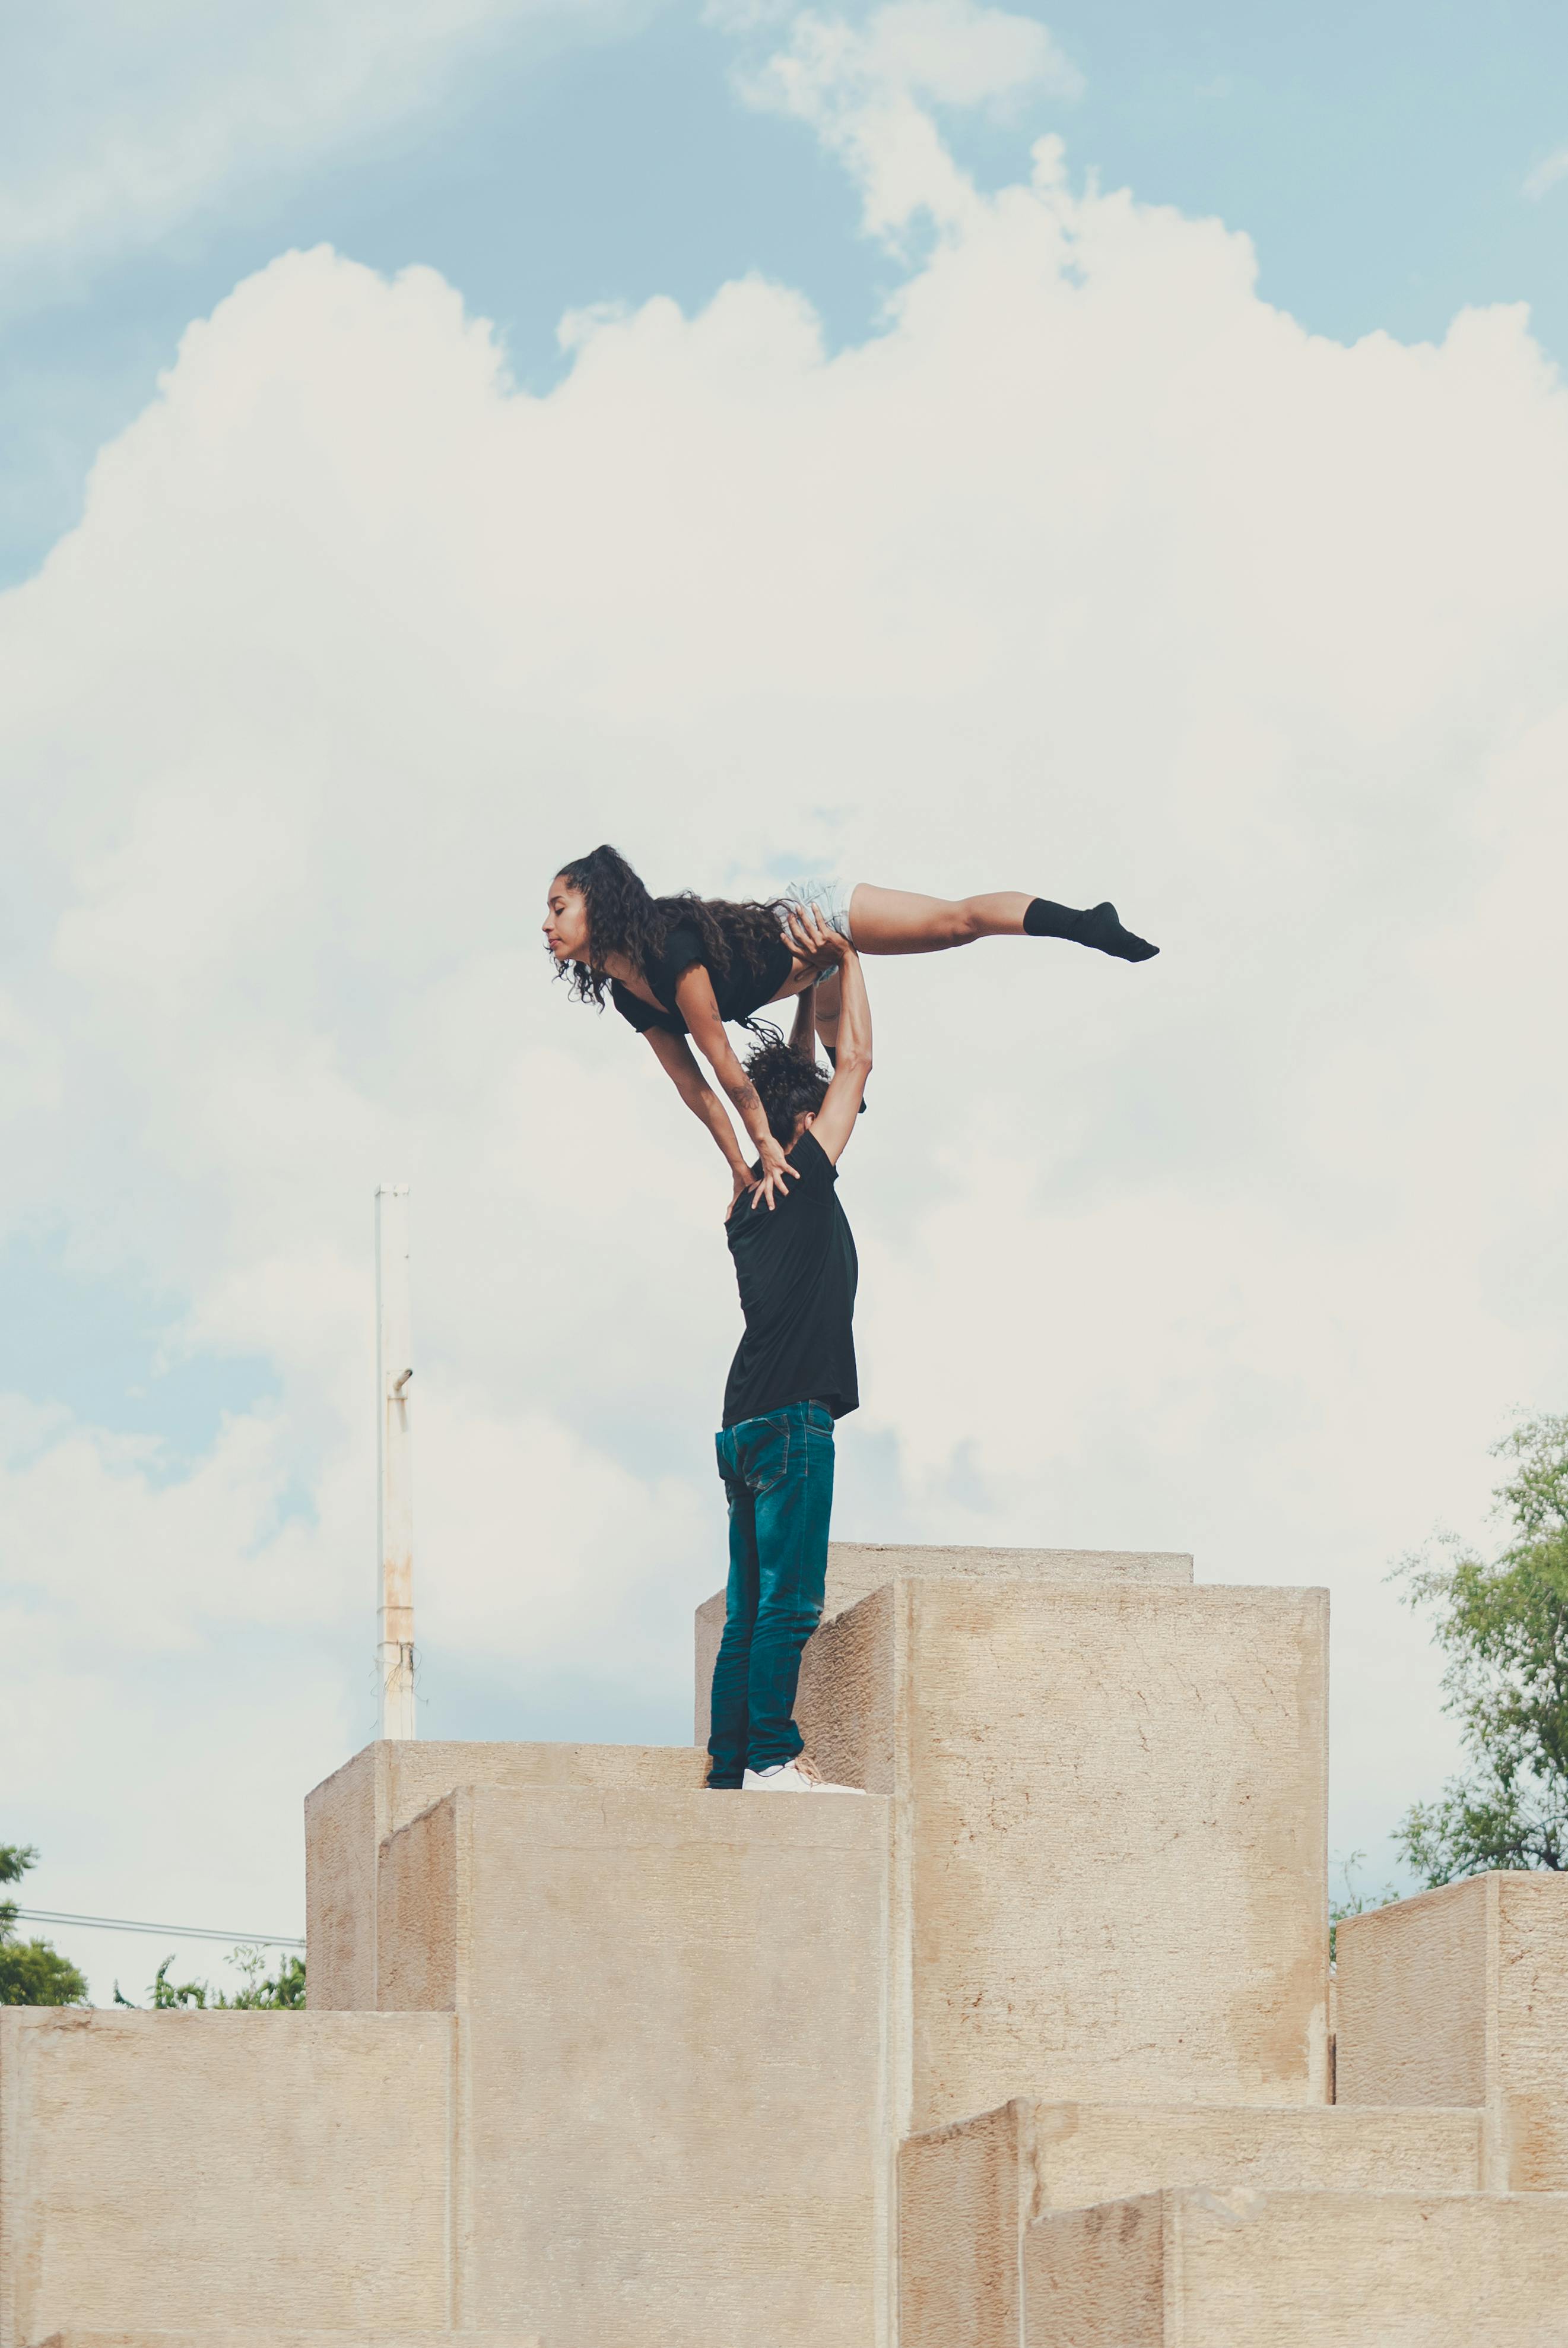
197, 2171
1110, 1835
268, 2336
1275, 2269
967, 2193
350, 1815
1461, 1996
673, 2098
855, 1569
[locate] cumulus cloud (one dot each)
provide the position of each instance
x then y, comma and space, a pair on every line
866, 88
1090, 572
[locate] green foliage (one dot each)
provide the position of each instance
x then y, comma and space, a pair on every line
284, 1989
1355, 1902
31, 1972
1505, 1627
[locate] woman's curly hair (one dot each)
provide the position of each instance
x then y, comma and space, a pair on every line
624, 919
787, 1083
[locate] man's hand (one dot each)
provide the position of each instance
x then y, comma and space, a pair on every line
776, 1171
812, 940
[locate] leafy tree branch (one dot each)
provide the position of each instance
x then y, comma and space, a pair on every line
1505, 1624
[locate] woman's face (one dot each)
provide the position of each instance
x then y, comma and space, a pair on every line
566, 921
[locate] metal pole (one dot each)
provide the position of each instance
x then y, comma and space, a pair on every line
394, 1513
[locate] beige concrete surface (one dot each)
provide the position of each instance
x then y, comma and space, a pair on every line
227, 2170
966, 2198
1267, 2269
967, 2193
350, 1813
672, 2021
1462, 1996
268, 2336
855, 1569
1110, 1835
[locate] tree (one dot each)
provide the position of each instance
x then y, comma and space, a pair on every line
31, 1972
1355, 1902
284, 1989
1505, 1627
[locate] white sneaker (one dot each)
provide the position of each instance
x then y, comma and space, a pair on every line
797, 1777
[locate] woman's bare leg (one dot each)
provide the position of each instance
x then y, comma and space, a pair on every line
898, 922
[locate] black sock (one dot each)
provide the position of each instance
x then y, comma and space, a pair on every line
1099, 927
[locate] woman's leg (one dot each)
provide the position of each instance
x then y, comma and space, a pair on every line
898, 922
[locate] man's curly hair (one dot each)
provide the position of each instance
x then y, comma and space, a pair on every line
787, 1083
624, 918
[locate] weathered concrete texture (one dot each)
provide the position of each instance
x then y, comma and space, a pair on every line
224, 2170
1110, 1838
1462, 1996
966, 2198
855, 1569
268, 2336
673, 2070
967, 2193
1267, 2270
350, 1813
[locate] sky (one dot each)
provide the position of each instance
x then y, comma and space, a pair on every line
1111, 452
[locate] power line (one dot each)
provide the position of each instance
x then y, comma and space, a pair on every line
181, 1931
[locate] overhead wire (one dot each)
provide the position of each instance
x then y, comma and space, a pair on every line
180, 1931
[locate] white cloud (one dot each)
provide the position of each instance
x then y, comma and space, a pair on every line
1092, 573
866, 89
122, 118
1545, 177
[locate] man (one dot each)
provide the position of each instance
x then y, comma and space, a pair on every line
793, 1376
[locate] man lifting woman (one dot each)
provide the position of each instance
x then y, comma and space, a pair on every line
679, 968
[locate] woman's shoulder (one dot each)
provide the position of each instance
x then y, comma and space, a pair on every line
682, 946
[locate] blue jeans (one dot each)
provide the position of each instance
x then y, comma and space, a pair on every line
778, 1474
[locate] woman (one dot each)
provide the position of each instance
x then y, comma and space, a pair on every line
679, 966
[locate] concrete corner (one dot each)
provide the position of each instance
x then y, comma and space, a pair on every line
1461, 1996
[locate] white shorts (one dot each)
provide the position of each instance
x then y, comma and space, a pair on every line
831, 899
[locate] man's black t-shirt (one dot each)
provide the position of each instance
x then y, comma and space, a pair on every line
798, 1272
739, 990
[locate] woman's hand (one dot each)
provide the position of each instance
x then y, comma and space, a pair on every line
741, 1177
810, 938
776, 1171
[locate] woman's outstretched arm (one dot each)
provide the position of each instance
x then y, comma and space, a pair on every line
676, 1057
698, 1006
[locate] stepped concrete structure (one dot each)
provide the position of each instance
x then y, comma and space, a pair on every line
1031, 2046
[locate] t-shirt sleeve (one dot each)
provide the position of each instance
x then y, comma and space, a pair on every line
682, 947
817, 1169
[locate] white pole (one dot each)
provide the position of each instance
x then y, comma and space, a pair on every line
394, 1513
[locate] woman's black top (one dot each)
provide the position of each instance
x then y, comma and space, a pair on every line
739, 990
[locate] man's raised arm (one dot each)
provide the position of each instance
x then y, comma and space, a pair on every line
835, 1120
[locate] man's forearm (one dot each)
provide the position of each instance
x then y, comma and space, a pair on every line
854, 1012
803, 1035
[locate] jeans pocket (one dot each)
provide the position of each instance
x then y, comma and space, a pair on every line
767, 1462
